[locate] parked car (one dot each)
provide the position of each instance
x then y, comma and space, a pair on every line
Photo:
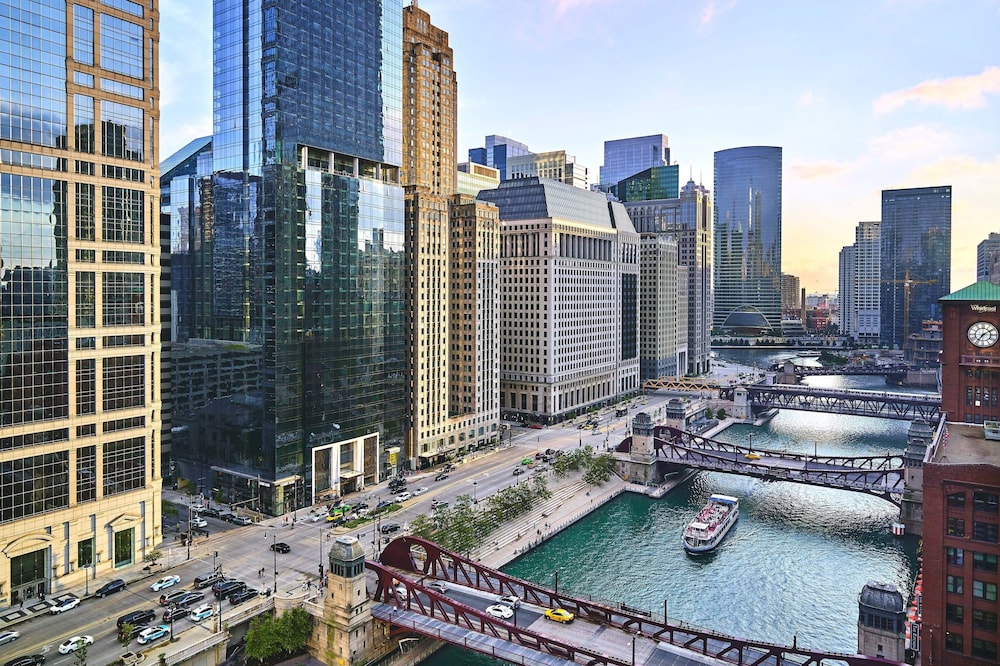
226, 516
360, 505
559, 615
8, 636
205, 580
438, 504
116, 585
500, 611
153, 633
200, 613
27, 660
281, 547
75, 643
223, 591
246, 594
165, 582
382, 505
420, 491
64, 605
210, 511
389, 528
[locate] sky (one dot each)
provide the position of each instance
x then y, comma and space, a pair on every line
862, 95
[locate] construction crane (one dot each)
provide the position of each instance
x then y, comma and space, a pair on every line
907, 283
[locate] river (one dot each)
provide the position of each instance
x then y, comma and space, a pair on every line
791, 569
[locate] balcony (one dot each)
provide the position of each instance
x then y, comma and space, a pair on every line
972, 359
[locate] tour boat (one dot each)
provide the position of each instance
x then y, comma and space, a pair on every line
810, 354
713, 523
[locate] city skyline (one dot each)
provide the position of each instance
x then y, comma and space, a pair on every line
852, 92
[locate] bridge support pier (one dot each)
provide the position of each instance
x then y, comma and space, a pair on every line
911, 512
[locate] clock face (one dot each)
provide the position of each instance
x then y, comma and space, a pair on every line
983, 334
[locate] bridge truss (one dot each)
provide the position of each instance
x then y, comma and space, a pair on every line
420, 557
879, 404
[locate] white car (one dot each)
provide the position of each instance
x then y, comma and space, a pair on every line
75, 643
438, 585
8, 636
150, 634
402, 497
421, 490
198, 521
401, 592
510, 600
165, 582
500, 611
64, 605
200, 613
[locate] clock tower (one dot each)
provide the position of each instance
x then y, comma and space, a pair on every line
970, 355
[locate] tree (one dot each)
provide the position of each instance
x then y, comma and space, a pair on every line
152, 556
599, 469
709, 413
721, 414
125, 634
80, 655
294, 629
262, 641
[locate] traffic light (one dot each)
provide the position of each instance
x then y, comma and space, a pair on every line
321, 571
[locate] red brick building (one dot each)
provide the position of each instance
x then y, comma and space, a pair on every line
961, 487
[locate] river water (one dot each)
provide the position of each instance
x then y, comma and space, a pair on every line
792, 567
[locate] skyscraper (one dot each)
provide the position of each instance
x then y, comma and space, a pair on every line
83, 329
748, 238
915, 259
302, 227
845, 290
552, 164
627, 157
496, 153
987, 258
452, 258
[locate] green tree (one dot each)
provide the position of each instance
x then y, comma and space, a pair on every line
80, 655
721, 414
709, 413
153, 556
599, 469
125, 634
294, 629
262, 641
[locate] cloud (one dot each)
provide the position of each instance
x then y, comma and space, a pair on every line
713, 10
821, 169
914, 141
959, 92
809, 98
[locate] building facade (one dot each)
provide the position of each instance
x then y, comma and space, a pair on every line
915, 259
497, 151
554, 164
662, 308
747, 227
688, 220
846, 286
569, 300
660, 182
627, 157
987, 258
473, 178
84, 324
302, 233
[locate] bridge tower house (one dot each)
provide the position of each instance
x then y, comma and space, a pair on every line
911, 511
881, 622
741, 404
345, 633
641, 467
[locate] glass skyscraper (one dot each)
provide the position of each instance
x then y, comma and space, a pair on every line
301, 241
627, 157
747, 266
82, 326
915, 259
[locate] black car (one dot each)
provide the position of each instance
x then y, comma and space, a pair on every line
189, 599
226, 516
175, 613
518, 470
136, 629
229, 588
389, 528
281, 547
441, 476
243, 595
27, 660
137, 617
210, 511
360, 505
117, 585
382, 505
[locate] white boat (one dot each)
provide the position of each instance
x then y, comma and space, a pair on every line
713, 523
809, 354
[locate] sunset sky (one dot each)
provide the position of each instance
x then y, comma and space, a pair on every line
861, 95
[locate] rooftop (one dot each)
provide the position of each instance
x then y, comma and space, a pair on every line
966, 444
984, 290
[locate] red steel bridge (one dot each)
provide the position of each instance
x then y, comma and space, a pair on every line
602, 633
880, 404
882, 476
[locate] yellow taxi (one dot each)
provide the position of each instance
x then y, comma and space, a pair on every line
559, 615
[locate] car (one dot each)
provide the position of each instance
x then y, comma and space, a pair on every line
154, 633
383, 504
189, 599
518, 471
214, 513
439, 504
402, 497
174, 613
165, 582
8, 636
281, 547
559, 615
316, 517
510, 600
116, 585
205, 580
198, 521
197, 508
223, 591
74, 644
420, 491
242, 520
133, 631
246, 594
137, 617
441, 476
27, 660
500, 611
130, 658
401, 591
360, 506
438, 585
64, 605
171, 597
752, 456
389, 528
200, 613
535, 426
527, 461
226, 516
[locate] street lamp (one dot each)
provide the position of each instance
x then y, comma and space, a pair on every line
274, 553
557, 581
475, 498
321, 556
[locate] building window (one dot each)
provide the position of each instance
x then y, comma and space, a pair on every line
983, 590
86, 301
984, 649
121, 131
121, 46
953, 642
982, 619
123, 547
955, 556
123, 302
86, 386
124, 382
954, 613
34, 485
83, 35
956, 500
984, 531
86, 474
984, 562
984, 502
124, 465
122, 215
956, 527
85, 553
955, 584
